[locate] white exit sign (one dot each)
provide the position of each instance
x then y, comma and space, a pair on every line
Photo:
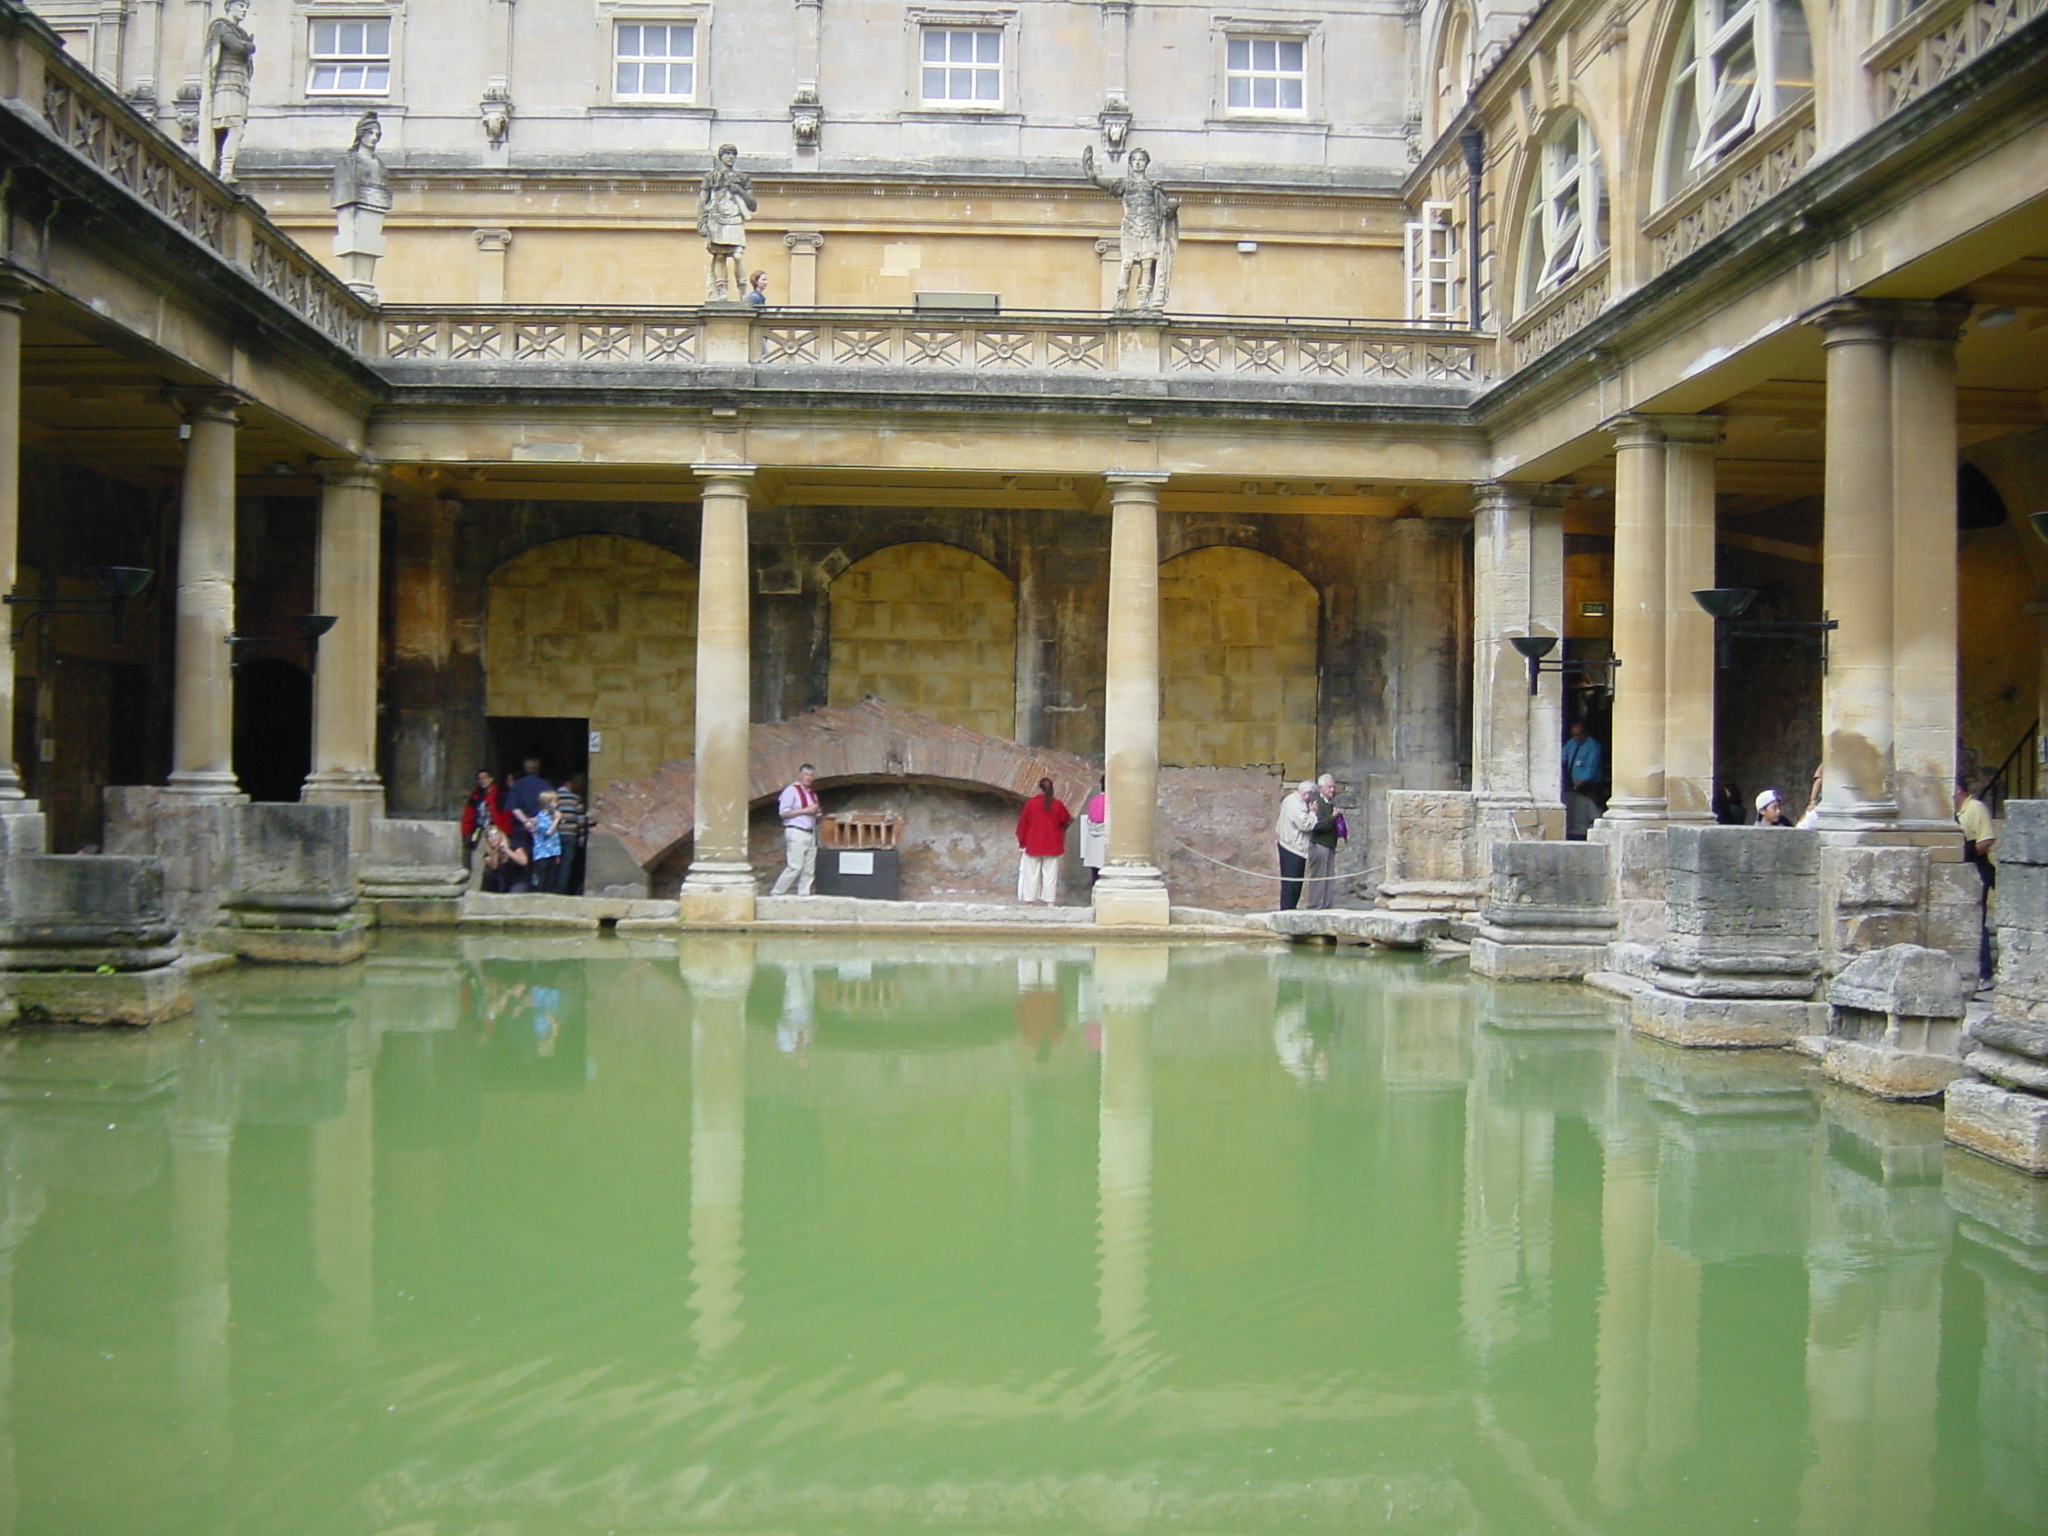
596, 742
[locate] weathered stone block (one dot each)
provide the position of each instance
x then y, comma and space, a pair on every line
2023, 838
1534, 961
1554, 885
1753, 884
2022, 894
2008, 1127
1432, 855
282, 945
2022, 1074
2021, 989
609, 869
1864, 877
2021, 1037
1727, 1022
1888, 1073
1905, 980
84, 997
289, 857
79, 912
419, 844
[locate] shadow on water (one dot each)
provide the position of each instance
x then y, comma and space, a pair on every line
541, 1235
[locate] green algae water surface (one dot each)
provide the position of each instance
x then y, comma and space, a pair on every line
538, 1237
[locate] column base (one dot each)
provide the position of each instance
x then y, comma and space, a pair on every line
1623, 810
207, 785
717, 895
1133, 894
357, 788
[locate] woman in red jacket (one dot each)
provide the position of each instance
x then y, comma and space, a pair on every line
482, 810
1042, 839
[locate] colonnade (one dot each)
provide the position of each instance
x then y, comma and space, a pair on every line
1889, 720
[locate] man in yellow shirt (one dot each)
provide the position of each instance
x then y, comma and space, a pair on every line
1980, 836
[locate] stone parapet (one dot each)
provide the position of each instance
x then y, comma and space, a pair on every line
1432, 852
1895, 1022
1546, 916
414, 862
87, 939
2001, 1108
291, 896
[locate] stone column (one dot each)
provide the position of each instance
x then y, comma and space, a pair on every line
719, 887
430, 722
12, 800
1689, 443
345, 683
803, 246
1517, 589
1924, 453
1636, 755
493, 253
1108, 260
1131, 888
203, 698
718, 972
1128, 980
1858, 570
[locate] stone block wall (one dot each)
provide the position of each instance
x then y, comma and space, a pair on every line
601, 628
1742, 892
931, 627
1237, 661
1432, 855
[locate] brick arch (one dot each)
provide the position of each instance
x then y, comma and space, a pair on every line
931, 627
1237, 648
868, 742
601, 627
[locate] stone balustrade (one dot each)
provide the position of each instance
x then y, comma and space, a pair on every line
785, 345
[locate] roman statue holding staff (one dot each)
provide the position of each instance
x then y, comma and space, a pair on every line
1150, 233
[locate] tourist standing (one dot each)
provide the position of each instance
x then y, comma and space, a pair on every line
522, 799
1319, 869
1770, 810
482, 810
1095, 831
798, 808
1980, 836
546, 855
575, 834
757, 290
1583, 772
1041, 843
1291, 831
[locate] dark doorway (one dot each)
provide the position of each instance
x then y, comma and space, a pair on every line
273, 728
562, 745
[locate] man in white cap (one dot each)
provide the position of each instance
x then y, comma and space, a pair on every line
1770, 810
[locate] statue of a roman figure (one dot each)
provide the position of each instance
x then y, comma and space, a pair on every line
723, 203
1150, 233
230, 56
361, 197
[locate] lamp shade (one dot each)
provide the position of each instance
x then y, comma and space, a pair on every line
1725, 602
120, 580
313, 625
1534, 647
2040, 522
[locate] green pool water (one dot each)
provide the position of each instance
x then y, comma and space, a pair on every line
545, 1237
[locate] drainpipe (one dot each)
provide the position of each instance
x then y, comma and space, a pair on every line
1473, 142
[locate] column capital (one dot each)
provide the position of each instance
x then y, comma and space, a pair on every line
1140, 481
1705, 430
716, 474
1633, 430
1517, 494
1850, 321
350, 474
209, 402
491, 240
13, 290
1928, 319
807, 240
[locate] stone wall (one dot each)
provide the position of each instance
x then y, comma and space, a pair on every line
932, 628
1237, 662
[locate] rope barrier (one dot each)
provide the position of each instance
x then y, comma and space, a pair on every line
1260, 874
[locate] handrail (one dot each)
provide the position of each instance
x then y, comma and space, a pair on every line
2019, 776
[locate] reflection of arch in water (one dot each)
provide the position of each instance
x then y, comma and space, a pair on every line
930, 627
600, 628
1237, 649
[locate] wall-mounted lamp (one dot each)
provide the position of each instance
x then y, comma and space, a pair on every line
2040, 522
311, 626
1535, 647
118, 582
1726, 606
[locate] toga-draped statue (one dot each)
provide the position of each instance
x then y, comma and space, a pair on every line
361, 197
1150, 233
724, 200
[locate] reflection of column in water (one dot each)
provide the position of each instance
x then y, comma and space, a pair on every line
1508, 1189
1128, 980
718, 972
202, 1134
21, 1202
1628, 1241
2012, 1392
344, 1177
1880, 1239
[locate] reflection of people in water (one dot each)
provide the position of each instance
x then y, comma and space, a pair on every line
547, 1019
793, 1029
1040, 1022
1304, 1050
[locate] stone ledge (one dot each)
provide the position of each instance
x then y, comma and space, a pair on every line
2007, 1127
1380, 925
134, 998
1534, 962
1723, 1023
1887, 1073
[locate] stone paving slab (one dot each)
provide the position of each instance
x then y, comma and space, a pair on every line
1365, 925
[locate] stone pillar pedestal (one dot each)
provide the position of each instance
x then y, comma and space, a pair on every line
88, 939
203, 700
2002, 1110
1131, 888
719, 887
1739, 962
291, 893
1432, 852
1895, 1023
345, 681
1546, 916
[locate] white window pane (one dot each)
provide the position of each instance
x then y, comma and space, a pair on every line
935, 85
1263, 92
1240, 53
378, 38
934, 47
1240, 91
323, 77
1262, 53
1290, 95
962, 47
988, 47
323, 37
629, 80
986, 86
379, 79
1290, 57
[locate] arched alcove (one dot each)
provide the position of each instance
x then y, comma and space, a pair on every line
600, 628
1237, 648
931, 628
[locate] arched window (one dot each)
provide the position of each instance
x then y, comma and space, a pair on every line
1566, 225
1739, 64
1454, 65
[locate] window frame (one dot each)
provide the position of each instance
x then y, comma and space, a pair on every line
1708, 110
1433, 266
1557, 245
613, 14
617, 22
1004, 21
316, 18
1252, 75
1224, 29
